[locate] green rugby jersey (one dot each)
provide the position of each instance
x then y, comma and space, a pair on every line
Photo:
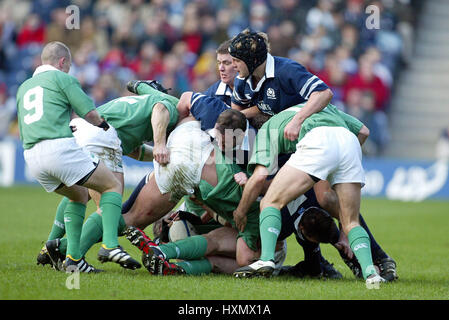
270, 141
131, 116
225, 196
45, 103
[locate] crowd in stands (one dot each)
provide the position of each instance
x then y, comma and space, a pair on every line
174, 41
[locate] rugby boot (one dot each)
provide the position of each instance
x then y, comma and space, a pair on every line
256, 269
117, 255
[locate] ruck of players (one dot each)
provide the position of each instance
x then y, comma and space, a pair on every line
260, 156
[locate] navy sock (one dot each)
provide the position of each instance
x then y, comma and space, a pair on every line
127, 205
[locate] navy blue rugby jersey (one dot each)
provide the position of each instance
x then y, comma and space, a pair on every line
286, 83
221, 91
206, 109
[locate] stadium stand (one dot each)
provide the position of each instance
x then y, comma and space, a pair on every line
420, 107
174, 42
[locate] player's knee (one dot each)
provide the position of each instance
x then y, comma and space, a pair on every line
329, 202
212, 244
245, 255
81, 196
112, 184
244, 259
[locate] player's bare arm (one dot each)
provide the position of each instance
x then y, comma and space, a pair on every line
159, 121
184, 105
142, 153
253, 188
318, 101
251, 112
363, 134
94, 118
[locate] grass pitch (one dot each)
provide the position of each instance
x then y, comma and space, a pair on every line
414, 234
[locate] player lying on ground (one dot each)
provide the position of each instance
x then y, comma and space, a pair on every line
151, 203
191, 159
214, 251
134, 120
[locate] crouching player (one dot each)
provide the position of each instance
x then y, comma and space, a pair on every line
150, 116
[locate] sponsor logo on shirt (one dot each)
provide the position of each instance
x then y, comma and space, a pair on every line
265, 108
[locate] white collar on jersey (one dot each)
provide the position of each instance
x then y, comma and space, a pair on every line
269, 68
269, 73
43, 68
223, 90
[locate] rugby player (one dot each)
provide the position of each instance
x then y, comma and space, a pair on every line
44, 105
191, 160
270, 84
218, 253
326, 149
150, 116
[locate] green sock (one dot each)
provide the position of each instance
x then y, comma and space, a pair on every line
190, 248
111, 210
63, 246
360, 245
270, 227
73, 220
92, 232
121, 226
201, 266
58, 228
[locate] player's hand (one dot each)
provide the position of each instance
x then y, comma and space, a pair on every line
241, 178
291, 130
161, 154
240, 220
343, 246
206, 217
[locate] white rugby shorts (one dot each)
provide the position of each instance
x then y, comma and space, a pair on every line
330, 153
57, 161
189, 148
106, 145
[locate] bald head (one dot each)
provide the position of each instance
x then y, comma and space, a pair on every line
58, 55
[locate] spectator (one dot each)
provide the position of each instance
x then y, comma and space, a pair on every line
335, 77
291, 10
366, 80
175, 75
361, 104
282, 38
85, 66
32, 32
354, 13
57, 30
148, 63
170, 41
321, 16
345, 59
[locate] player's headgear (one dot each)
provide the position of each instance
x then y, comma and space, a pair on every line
250, 48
